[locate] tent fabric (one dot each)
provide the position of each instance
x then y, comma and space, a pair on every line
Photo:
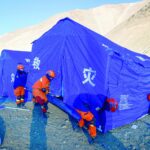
129, 78
8, 63
1, 66
86, 62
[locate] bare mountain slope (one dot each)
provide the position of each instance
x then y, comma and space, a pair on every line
134, 33
101, 19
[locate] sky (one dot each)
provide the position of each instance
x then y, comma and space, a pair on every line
17, 14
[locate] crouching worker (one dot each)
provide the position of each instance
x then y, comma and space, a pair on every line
88, 106
40, 89
19, 84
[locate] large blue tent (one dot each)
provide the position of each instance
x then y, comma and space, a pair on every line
87, 63
8, 63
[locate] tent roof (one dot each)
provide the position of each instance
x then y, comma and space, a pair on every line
6, 52
68, 27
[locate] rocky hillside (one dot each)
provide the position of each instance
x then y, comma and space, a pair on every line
101, 19
134, 33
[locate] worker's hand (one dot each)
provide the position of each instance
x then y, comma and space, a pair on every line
97, 108
99, 128
44, 90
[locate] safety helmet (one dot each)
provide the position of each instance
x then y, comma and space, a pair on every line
20, 67
112, 104
51, 73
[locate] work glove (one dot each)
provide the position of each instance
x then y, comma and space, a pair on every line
99, 128
44, 90
97, 108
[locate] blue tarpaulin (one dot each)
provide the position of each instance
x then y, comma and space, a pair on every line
66, 108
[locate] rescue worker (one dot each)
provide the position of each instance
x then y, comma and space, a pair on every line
19, 84
89, 106
40, 89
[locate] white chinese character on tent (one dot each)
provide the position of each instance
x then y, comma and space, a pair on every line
12, 77
36, 63
89, 76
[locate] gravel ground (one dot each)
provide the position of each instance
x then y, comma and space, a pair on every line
28, 129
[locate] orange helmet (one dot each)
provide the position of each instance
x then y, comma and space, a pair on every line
20, 67
51, 73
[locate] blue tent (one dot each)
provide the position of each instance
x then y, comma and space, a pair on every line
8, 62
88, 63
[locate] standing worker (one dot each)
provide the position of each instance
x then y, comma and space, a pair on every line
19, 84
40, 89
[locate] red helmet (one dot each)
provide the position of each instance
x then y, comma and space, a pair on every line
51, 73
20, 67
112, 104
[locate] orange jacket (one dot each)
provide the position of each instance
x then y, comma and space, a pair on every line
43, 82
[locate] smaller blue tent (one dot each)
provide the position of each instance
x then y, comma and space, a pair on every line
8, 62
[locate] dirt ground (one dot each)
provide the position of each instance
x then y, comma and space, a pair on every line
28, 129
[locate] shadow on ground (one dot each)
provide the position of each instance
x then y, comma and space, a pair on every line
2, 130
38, 138
106, 141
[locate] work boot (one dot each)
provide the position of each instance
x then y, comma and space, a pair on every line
91, 140
18, 102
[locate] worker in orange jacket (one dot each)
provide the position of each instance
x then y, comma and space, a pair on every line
19, 84
88, 106
40, 89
